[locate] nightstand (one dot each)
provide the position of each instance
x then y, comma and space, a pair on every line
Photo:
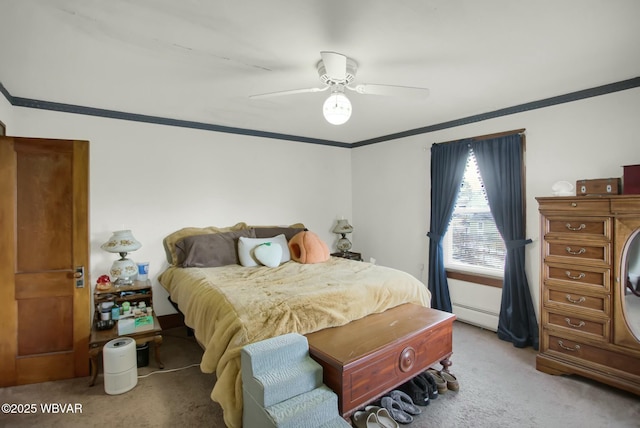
348, 255
140, 291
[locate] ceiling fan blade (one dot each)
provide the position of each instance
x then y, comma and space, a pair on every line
390, 90
290, 92
335, 65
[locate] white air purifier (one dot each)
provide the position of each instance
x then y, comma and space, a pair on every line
119, 360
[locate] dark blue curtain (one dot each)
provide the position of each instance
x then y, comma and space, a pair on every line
448, 162
500, 164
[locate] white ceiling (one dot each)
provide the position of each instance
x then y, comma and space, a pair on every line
199, 60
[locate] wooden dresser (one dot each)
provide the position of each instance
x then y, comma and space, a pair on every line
584, 324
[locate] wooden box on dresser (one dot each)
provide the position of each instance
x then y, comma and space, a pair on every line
587, 327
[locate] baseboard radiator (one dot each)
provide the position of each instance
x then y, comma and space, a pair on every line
476, 316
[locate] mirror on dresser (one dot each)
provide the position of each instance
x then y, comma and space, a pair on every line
627, 300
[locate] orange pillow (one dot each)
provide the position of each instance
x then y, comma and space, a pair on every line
307, 247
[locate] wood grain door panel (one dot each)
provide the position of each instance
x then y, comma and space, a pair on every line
45, 325
45, 368
29, 285
44, 206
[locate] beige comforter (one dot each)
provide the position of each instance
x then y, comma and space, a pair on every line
231, 306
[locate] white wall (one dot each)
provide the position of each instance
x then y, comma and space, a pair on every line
170, 178
590, 138
156, 179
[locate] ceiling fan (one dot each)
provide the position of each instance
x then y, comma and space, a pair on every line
337, 72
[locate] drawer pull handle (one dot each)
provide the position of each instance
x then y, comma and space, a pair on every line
573, 204
580, 300
575, 253
579, 325
575, 229
582, 275
566, 348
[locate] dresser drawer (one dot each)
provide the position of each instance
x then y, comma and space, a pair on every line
598, 279
579, 350
576, 324
577, 302
578, 227
578, 252
574, 204
626, 205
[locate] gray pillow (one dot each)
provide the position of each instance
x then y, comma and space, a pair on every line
211, 249
270, 232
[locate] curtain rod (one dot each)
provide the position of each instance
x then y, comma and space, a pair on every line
488, 136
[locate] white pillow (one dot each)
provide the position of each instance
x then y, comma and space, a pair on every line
246, 247
269, 254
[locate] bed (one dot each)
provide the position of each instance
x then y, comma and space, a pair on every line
229, 305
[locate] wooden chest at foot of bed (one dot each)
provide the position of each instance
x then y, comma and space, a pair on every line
371, 356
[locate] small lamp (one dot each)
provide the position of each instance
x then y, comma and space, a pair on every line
124, 269
342, 228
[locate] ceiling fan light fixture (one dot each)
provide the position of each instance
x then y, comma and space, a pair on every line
337, 108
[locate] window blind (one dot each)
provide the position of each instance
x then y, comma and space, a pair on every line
473, 239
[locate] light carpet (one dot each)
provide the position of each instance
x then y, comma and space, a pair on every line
499, 387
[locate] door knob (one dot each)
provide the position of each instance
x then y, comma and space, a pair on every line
78, 275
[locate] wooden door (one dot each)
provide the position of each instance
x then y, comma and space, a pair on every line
45, 312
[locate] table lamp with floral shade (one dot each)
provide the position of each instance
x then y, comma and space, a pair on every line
124, 270
342, 228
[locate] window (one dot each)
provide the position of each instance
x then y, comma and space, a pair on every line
472, 243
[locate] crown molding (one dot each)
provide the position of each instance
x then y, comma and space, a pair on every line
113, 114
157, 120
547, 102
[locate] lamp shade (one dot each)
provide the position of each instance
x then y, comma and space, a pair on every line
343, 226
122, 241
337, 108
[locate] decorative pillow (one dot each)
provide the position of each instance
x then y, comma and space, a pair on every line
211, 249
246, 248
307, 247
268, 254
288, 231
170, 241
